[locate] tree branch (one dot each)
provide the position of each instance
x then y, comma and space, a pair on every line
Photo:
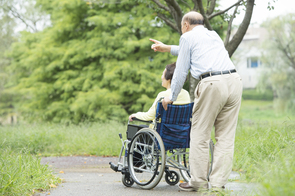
230, 26
186, 4
223, 11
202, 11
17, 15
161, 5
175, 5
211, 7
196, 5
285, 51
176, 13
168, 22
238, 37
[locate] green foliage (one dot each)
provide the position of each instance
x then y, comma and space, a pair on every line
23, 174
6, 38
94, 63
254, 94
279, 61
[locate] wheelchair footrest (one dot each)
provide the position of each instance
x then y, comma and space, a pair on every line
114, 167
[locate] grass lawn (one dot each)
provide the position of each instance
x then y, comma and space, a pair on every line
254, 110
264, 147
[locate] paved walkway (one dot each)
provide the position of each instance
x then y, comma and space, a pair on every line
92, 176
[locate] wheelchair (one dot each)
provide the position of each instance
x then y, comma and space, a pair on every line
149, 152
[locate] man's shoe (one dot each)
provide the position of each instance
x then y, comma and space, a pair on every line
186, 187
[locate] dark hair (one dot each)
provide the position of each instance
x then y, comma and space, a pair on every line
169, 71
194, 22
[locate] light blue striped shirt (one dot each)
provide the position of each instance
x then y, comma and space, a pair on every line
199, 51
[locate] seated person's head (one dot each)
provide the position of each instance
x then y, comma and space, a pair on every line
167, 75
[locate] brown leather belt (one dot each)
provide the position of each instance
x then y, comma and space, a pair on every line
215, 73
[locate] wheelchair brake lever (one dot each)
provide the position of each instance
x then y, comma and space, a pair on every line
120, 135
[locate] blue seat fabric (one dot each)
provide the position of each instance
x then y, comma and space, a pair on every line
175, 125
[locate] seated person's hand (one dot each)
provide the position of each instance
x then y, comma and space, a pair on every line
131, 116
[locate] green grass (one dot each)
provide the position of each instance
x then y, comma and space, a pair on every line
60, 140
22, 174
259, 142
253, 110
264, 147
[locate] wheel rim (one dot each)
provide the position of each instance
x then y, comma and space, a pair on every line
143, 158
172, 177
127, 181
159, 152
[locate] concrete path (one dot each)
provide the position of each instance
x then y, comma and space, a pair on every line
92, 176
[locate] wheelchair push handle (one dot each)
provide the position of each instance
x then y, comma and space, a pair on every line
161, 98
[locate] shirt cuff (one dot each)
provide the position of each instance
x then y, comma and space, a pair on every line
174, 50
171, 98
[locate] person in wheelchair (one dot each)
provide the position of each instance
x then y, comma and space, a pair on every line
182, 99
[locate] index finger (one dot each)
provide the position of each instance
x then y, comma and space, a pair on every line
155, 41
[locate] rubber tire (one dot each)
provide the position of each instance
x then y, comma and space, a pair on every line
174, 180
128, 182
159, 174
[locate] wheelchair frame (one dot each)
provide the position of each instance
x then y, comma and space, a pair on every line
155, 160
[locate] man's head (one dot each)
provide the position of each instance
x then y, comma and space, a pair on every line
190, 20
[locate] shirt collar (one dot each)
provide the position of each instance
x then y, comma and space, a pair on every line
198, 27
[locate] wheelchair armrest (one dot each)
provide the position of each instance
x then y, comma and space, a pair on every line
136, 119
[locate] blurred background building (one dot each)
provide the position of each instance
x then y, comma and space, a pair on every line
247, 57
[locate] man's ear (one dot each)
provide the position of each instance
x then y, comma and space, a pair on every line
186, 24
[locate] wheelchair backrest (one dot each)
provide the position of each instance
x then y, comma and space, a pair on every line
174, 125
175, 114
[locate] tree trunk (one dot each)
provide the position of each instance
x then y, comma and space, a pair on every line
238, 37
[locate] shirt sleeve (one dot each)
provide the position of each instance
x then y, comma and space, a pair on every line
174, 50
182, 67
151, 113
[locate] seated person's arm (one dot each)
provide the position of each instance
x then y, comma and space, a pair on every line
150, 114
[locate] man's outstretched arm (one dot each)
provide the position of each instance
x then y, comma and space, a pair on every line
159, 46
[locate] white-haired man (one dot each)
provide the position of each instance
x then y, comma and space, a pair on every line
217, 99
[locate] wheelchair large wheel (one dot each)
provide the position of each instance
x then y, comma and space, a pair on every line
146, 158
183, 159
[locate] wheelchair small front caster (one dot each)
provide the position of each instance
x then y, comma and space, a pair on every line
127, 180
172, 177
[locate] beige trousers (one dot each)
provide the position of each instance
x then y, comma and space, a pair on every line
217, 103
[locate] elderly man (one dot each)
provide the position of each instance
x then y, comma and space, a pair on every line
217, 99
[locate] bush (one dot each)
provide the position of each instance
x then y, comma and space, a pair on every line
253, 94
